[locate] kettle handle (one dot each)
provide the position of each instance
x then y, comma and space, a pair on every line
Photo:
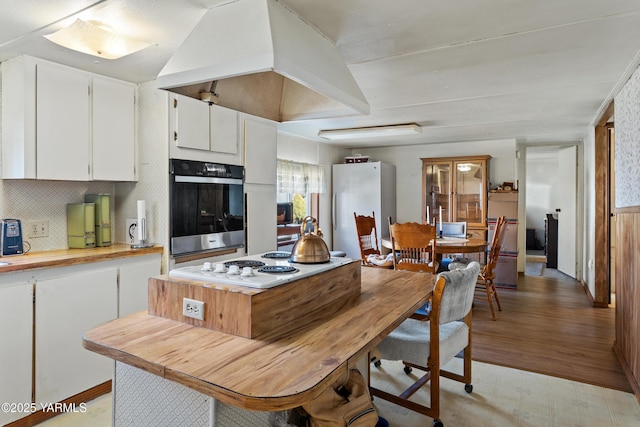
303, 226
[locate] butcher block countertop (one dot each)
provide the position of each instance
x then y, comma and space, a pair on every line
66, 257
277, 371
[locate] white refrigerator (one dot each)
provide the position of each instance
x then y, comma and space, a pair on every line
362, 188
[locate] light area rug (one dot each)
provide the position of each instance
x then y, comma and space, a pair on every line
501, 397
506, 397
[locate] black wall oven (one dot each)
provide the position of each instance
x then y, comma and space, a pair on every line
207, 206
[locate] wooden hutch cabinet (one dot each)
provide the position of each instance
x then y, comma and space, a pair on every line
459, 186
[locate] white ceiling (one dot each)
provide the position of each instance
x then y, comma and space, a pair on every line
537, 71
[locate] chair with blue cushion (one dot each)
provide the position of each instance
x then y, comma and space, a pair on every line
427, 346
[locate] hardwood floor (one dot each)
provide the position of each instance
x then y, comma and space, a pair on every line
548, 326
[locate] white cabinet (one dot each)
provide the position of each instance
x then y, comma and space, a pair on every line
65, 307
16, 314
223, 132
62, 123
191, 118
133, 283
199, 131
57, 120
113, 119
260, 138
260, 160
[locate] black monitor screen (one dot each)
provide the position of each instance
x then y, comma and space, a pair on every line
285, 213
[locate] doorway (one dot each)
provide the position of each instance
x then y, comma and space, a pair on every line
551, 199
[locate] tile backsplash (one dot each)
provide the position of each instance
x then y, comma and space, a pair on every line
33, 200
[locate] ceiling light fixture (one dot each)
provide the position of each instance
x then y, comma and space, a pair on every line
95, 38
464, 167
371, 132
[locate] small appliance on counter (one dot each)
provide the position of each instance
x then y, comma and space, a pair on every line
81, 231
102, 217
11, 237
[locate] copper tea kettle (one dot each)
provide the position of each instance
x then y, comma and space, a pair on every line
310, 248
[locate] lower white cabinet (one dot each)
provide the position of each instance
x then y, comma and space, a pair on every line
16, 305
133, 287
63, 302
65, 307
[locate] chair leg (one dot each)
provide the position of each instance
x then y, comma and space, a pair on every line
495, 294
487, 286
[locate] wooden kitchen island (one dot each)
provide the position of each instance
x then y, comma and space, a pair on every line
272, 373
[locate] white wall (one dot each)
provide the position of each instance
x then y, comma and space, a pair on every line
297, 149
542, 172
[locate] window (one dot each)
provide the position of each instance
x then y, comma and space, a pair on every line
298, 189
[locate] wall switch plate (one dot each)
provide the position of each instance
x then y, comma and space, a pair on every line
38, 229
193, 308
131, 233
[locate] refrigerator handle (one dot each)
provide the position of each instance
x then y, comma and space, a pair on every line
333, 212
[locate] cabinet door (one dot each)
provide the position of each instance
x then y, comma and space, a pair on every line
133, 284
470, 192
261, 228
16, 325
62, 123
113, 122
260, 163
191, 123
224, 129
437, 181
65, 308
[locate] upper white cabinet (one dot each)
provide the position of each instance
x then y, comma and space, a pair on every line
60, 123
210, 129
114, 130
191, 118
260, 161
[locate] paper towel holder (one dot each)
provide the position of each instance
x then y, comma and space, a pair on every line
142, 227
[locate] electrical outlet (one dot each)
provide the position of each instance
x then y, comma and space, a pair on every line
131, 232
193, 308
38, 229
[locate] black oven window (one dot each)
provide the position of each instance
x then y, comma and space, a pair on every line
218, 208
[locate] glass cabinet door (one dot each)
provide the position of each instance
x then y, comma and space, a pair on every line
469, 191
458, 185
437, 191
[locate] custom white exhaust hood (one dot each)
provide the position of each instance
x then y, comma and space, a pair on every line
258, 57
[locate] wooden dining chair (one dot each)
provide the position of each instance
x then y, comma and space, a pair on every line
486, 286
427, 346
414, 247
368, 239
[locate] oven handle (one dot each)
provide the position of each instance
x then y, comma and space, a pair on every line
207, 180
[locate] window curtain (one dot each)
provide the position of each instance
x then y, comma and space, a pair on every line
300, 178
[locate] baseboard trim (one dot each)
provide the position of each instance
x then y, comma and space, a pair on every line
40, 416
593, 303
635, 386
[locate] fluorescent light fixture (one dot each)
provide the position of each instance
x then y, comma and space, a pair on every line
95, 39
371, 132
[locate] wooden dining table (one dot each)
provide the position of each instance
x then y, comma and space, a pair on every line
451, 245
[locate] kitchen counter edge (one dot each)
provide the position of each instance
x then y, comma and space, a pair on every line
67, 257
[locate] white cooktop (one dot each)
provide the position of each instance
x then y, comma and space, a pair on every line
224, 273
